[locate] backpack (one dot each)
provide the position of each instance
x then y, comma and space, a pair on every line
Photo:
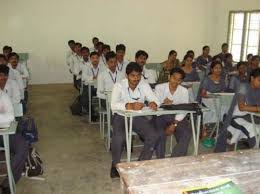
76, 108
27, 127
33, 164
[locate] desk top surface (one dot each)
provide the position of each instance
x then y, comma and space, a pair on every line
175, 174
10, 130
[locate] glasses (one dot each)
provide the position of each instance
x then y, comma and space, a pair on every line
134, 98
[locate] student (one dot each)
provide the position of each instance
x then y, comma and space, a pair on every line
18, 146
14, 74
7, 50
224, 51
254, 64
9, 86
75, 65
249, 58
95, 40
90, 72
173, 93
192, 55
204, 58
228, 64
148, 75
85, 55
191, 74
106, 49
131, 94
238, 122
213, 83
3, 60
167, 66
71, 44
120, 57
242, 77
109, 77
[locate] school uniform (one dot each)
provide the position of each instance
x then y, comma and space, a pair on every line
102, 60
12, 90
222, 56
235, 82
121, 67
75, 68
22, 68
203, 61
68, 55
149, 76
183, 130
121, 95
18, 146
92, 49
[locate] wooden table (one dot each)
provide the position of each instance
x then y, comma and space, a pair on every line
172, 175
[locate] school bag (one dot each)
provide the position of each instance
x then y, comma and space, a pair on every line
28, 129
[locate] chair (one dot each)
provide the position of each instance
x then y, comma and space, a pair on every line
102, 115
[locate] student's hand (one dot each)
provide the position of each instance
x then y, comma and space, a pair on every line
138, 106
167, 101
153, 106
169, 130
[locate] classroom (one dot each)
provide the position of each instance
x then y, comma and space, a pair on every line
131, 97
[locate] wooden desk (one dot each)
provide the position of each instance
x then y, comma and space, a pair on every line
172, 175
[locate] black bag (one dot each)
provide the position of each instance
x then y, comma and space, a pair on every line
76, 108
33, 164
188, 107
27, 127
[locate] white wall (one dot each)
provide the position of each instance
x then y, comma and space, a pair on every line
42, 28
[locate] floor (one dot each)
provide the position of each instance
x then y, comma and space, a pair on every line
75, 159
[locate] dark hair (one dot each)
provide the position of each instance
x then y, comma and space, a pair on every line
94, 53
120, 47
13, 54
78, 44
214, 63
228, 55
71, 42
206, 46
255, 57
190, 52
95, 38
100, 43
224, 44
5, 48
133, 66
216, 57
255, 73
186, 57
4, 69
249, 55
141, 53
84, 49
172, 52
178, 70
10, 48
110, 55
3, 57
106, 46
240, 63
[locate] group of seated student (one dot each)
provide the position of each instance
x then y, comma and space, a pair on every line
13, 91
135, 86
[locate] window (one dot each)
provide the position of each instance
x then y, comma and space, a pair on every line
244, 34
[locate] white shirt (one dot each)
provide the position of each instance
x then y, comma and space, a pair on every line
12, 90
122, 94
88, 72
122, 66
6, 110
92, 49
180, 96
22, 68
149, 76
106, 81
75, 65
68, 55
15, 75
102, 60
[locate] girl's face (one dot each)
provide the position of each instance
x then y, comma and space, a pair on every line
256, 82
188, 61
217, 69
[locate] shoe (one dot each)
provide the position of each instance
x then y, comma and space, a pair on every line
6, 190
114, 173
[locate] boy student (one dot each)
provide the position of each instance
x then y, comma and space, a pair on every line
224, 51
18, 146
120, 57
130, 94
9, 86
106, 49
71, 44
75, 64
173, 93
95, 40
90, 72
7, 50
109, 77
3, 60
148, 75
85, 56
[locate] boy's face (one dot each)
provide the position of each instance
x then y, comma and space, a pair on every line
229, 60
72, 46
95, 41
3, 61
141, 60
242, 69
85, 54
206, 51
105, 51
120, 54
94, 59
134, 78
3, 79
13, 61
77, 49
172, 57
112, 63
225, 49
175, 79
